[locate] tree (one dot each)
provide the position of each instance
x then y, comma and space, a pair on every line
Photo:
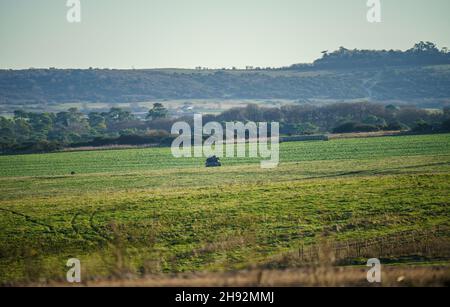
423, 127
272, 114
119, 115
349, 127
253, 113
97, 121
375, 121
41, 123
446, 125
72, 120
391, 108
446, 112
306, 128
425, 47
20, 114
22, 128
157, 112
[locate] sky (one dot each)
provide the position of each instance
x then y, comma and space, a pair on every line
209, 33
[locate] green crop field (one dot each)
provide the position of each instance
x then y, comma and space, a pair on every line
141, 211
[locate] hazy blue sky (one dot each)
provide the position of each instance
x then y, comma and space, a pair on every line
213, 33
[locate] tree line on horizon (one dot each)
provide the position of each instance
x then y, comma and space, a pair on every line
45, 132
421, 54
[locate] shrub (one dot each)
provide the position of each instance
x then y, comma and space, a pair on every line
422, 127
445, 127
349, 127
394, 126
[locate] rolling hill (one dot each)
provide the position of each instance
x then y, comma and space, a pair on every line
420, 75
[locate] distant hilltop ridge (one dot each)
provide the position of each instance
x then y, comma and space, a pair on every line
423, 53
419, 75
